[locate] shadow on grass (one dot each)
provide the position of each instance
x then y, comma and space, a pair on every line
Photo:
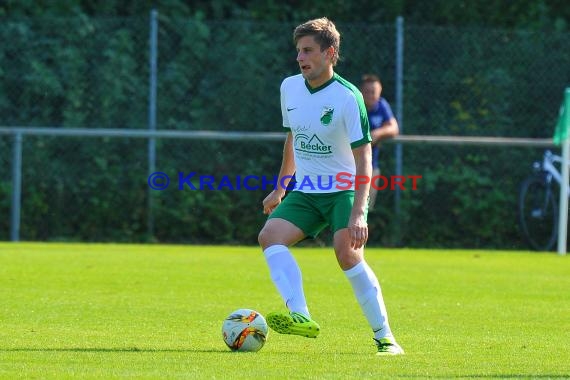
156, 350
509, 376
117, 349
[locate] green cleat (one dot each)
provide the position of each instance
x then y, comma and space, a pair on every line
388, 346
293, 323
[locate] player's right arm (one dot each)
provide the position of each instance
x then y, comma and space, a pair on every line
285, 173
389, 128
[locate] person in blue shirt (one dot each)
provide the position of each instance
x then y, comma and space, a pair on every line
383, 124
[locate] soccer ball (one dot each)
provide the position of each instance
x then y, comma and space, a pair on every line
245, 330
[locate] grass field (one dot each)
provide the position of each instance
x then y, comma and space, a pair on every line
155, 311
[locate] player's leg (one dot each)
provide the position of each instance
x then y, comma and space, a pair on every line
362, 279
367, 291
364, 283
279, 231
292, 221
275, 238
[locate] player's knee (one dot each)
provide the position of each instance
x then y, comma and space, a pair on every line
261, 237
348, 259
264, 237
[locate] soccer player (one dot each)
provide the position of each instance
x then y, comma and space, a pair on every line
383, 124
328, 134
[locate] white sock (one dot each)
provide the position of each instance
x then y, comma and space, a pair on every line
286, 276
369, 295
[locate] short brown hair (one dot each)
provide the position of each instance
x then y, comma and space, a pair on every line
370, 78
325, 34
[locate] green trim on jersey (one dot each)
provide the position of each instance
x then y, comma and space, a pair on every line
325, 127
361, 107
317, 89
365, 124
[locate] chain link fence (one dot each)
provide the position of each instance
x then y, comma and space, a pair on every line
225, 76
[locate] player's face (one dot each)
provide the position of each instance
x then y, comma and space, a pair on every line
315, 65
371, 93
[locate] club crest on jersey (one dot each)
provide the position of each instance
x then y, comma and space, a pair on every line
326, 115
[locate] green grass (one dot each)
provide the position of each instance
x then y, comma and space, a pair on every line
154, 311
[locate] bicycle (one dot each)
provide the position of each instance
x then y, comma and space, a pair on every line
538, 206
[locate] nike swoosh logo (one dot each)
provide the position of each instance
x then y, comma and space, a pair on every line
291, 109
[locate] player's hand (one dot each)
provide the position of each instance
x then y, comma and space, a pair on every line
271, 201
358, 230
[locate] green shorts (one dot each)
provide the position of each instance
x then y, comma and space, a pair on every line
314, 212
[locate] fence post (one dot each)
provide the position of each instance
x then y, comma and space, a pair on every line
563, 211
400, 118
16, 187
153, 42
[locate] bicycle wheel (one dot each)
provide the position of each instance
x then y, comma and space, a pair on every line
538, 214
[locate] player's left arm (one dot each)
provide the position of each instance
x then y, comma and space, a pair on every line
388, 130
358, 128
357, 226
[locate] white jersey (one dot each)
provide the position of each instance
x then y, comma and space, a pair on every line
327, 123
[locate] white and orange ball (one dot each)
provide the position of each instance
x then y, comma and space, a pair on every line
245, 330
